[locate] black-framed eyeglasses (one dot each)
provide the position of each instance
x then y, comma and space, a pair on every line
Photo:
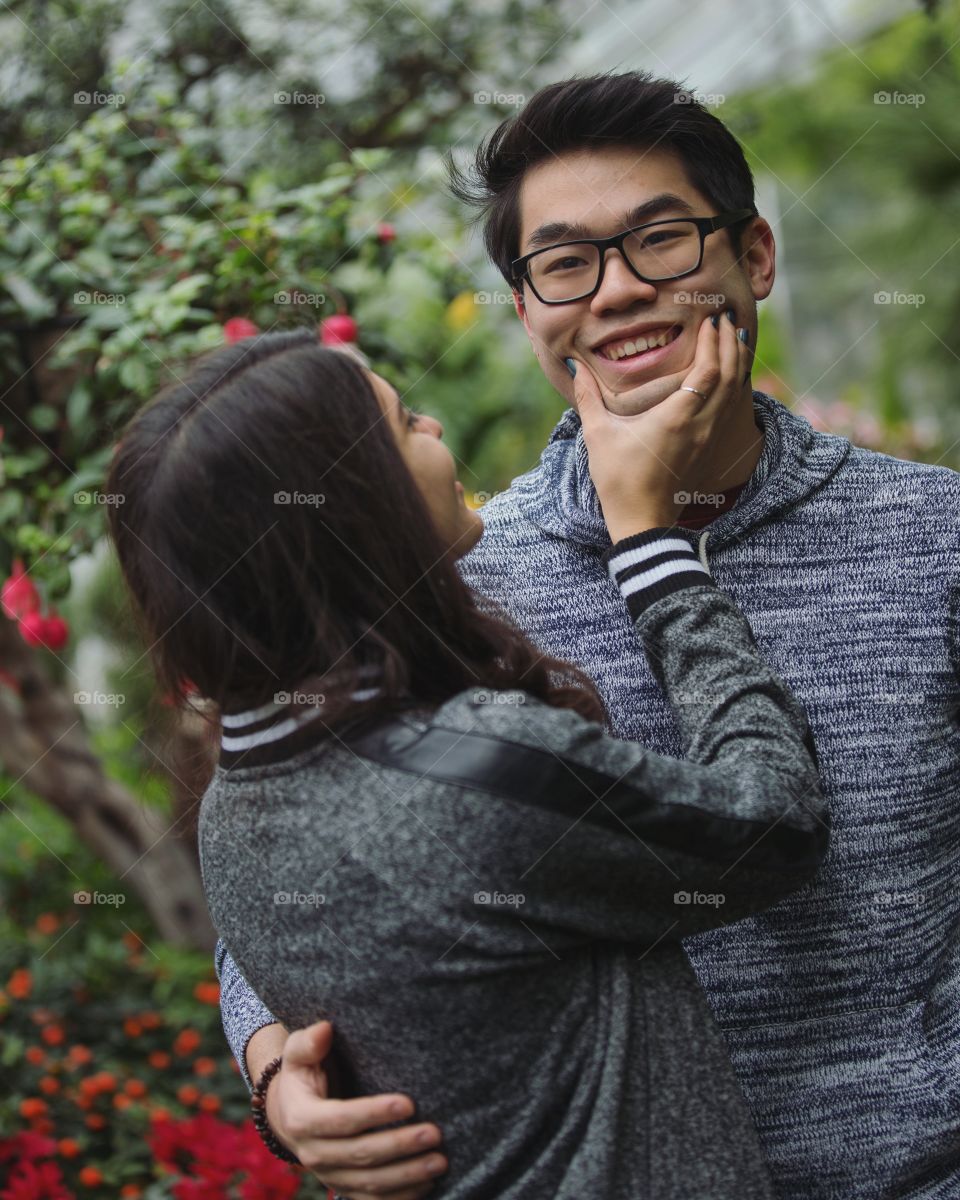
654, 252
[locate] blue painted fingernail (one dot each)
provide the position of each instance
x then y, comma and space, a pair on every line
571, 366
731, 316
715, 319
744, 336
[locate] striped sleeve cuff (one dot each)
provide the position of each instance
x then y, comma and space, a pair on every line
652, 564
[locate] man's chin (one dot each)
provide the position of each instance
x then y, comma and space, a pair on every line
633, 401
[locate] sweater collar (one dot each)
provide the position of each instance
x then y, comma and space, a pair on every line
559, 496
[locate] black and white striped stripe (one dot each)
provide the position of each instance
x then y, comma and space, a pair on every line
652, 564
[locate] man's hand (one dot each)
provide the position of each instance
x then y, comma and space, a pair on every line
336, 1139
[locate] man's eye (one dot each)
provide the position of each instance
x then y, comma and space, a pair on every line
412, 418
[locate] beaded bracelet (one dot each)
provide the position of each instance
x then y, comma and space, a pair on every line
258, 1105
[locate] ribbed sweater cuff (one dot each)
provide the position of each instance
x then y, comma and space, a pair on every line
652, 564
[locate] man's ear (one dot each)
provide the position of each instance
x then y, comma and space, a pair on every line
518, 305
758, 255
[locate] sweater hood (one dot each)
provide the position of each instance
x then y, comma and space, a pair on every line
559, 495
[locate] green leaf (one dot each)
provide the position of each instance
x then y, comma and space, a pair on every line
135, 375
78, 404
33, 303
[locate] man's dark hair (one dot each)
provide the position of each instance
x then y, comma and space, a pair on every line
629, 109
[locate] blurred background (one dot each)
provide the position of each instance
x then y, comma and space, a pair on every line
178, 174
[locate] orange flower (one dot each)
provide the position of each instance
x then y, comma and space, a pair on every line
135, 1087
150, 1020
20, 984
186, 1042
53, 1035
35, 1055
32, 1107
79, 1055
43, 1125
186, 1094
95, 1121
207, 993
210, 1104
48, 1085
68, 1148
130, 1191
132, 1027
47, 923
204, 1066
90, 1176
132, 940
158, 1059
159, 1113
121, 1101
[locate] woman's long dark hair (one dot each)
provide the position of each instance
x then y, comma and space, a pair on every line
274, 541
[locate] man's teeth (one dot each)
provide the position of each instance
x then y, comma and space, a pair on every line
639, 345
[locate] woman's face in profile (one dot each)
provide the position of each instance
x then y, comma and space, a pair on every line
432, 466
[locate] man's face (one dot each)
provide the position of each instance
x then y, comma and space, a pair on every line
592, 192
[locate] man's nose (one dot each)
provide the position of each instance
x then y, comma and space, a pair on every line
620, 287
433, 426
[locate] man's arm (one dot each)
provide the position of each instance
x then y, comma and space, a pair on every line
342, 1142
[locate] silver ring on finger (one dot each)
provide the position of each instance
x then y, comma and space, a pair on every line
696, 392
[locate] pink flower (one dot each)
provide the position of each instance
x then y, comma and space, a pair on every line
338, 329
386, 233
19, 596
238, 328
36, 1181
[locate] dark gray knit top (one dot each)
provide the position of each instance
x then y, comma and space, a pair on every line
516, 966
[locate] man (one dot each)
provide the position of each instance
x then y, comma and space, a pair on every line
841, 1005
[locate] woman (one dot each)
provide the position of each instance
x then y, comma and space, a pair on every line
417, 820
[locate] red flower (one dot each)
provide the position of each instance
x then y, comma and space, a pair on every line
36, 1181
386, 232
338, 329
19, 596
51, 631
238, 328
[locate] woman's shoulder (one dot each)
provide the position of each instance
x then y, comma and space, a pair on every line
513, 715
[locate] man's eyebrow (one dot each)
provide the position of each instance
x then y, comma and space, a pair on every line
560, 231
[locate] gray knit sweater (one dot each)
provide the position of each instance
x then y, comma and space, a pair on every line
514, 967
841, 1005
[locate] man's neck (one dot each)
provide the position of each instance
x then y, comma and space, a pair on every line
739, 448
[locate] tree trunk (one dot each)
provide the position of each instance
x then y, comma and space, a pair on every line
44, 747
